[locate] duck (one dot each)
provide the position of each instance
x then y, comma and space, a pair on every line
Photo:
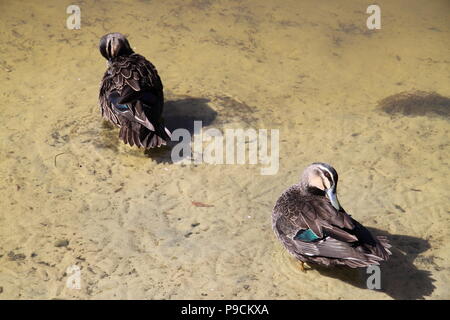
314, 228
131, 94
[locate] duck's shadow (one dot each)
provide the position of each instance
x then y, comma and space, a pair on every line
400, 278
181, 113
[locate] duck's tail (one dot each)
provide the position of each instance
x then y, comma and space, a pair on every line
143, 137
382, 248
371, 254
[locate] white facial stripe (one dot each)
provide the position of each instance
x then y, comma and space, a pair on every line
108, 47
114, 47
316, 180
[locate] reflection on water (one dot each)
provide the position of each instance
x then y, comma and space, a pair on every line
131, 220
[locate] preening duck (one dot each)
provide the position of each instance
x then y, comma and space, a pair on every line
131, 94
311, 224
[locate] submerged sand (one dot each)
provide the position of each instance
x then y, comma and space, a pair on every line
139, 226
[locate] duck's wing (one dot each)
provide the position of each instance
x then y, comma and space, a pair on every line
311, 226
312, 213
378, 246
324, 220
106, 108
131, 96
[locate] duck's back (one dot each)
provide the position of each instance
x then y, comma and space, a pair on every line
285, 214
129, 74
131, 97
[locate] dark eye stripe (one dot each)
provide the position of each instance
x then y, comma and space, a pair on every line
329, 177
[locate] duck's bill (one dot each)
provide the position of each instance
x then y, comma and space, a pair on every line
331, 194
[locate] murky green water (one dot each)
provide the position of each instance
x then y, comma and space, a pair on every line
132, 219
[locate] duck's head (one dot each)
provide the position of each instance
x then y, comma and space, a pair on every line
323, 177
113, 45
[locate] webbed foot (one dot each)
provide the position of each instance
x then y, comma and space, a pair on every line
302, 266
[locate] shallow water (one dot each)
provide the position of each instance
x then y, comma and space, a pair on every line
311, 70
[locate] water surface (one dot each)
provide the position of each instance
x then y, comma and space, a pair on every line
310, 69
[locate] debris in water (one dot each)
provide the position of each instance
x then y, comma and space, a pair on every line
201, 204
16, 256
61, 243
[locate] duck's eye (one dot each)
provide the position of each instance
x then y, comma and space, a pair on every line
327, 175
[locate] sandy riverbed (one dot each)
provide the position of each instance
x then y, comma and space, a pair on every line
71, 193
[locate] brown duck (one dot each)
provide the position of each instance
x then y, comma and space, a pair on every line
131, 94
314, 228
